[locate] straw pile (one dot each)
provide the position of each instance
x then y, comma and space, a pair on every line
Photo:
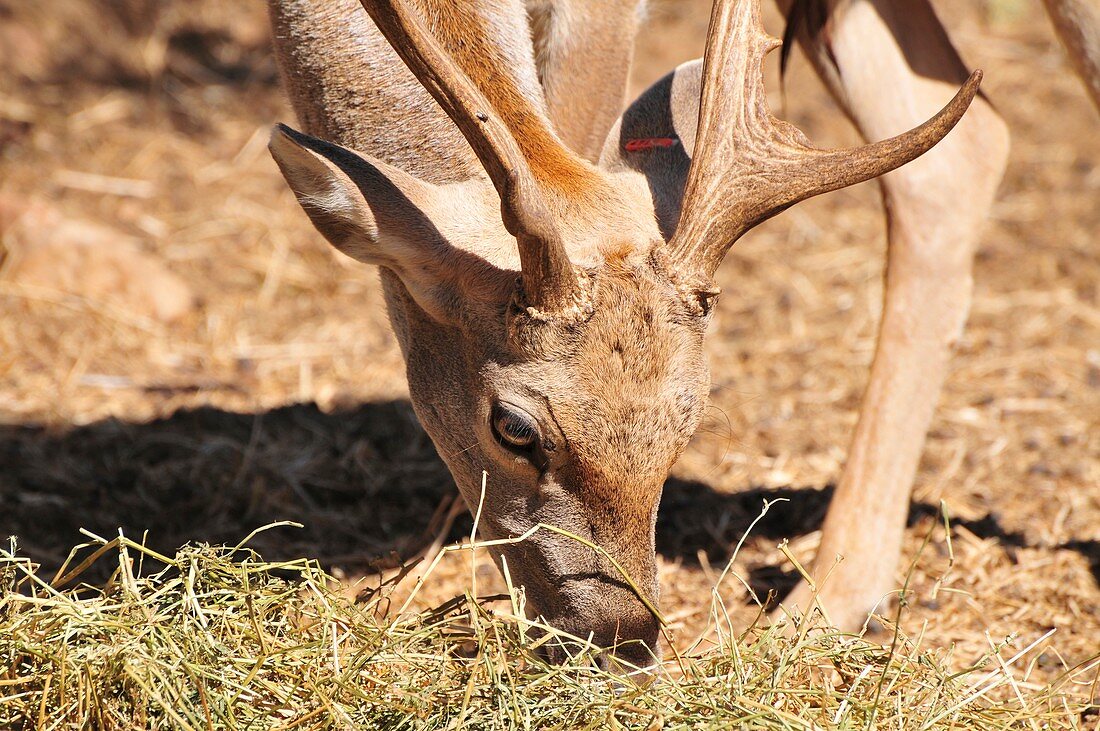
220, 639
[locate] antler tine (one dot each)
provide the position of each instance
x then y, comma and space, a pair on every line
549, 281
747, 165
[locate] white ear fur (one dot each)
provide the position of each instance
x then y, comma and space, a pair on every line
318, 173
381, 215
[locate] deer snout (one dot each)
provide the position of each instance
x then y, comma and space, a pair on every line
613, 619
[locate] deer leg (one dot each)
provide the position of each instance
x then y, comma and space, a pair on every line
1078, 25
891, 64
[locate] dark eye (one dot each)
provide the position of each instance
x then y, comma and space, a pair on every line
514, 427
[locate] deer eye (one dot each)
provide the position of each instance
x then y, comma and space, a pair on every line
514, 428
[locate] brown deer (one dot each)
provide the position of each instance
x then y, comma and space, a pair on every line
552, 309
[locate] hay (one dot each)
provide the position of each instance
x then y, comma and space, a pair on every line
220, 639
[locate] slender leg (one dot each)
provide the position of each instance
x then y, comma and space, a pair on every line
1078, 25
891, 64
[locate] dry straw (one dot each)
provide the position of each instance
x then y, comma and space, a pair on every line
220, 639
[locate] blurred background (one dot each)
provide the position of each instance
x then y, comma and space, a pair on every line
181, 353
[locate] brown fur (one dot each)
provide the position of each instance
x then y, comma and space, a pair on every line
577, 48
321, 46
617, 388
467, 346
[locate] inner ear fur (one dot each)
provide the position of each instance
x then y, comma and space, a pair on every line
379, 214
365, 208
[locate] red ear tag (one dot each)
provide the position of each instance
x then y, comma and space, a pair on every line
648, 143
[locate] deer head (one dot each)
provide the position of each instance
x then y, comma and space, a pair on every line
552, 312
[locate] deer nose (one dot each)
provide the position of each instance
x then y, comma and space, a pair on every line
631, 645
629, 634
616, 622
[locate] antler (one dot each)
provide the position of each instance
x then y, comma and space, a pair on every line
747, 165
549, 281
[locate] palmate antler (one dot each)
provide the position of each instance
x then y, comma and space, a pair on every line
747, 165
549, 281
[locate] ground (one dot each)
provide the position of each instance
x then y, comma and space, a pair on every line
273, 389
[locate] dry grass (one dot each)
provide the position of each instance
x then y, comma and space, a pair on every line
282, 396
219, 639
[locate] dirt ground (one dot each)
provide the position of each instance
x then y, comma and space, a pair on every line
251, 375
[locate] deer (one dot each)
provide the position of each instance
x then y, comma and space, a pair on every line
547, 258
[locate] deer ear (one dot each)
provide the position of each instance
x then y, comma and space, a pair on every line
367, 209
655, 136
378, 214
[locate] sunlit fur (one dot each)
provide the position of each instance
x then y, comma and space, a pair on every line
619, 388
617, 391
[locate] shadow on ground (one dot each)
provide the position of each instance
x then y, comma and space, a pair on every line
364, 483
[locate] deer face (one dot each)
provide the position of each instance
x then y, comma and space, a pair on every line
576, 427
552, 312
573, 419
